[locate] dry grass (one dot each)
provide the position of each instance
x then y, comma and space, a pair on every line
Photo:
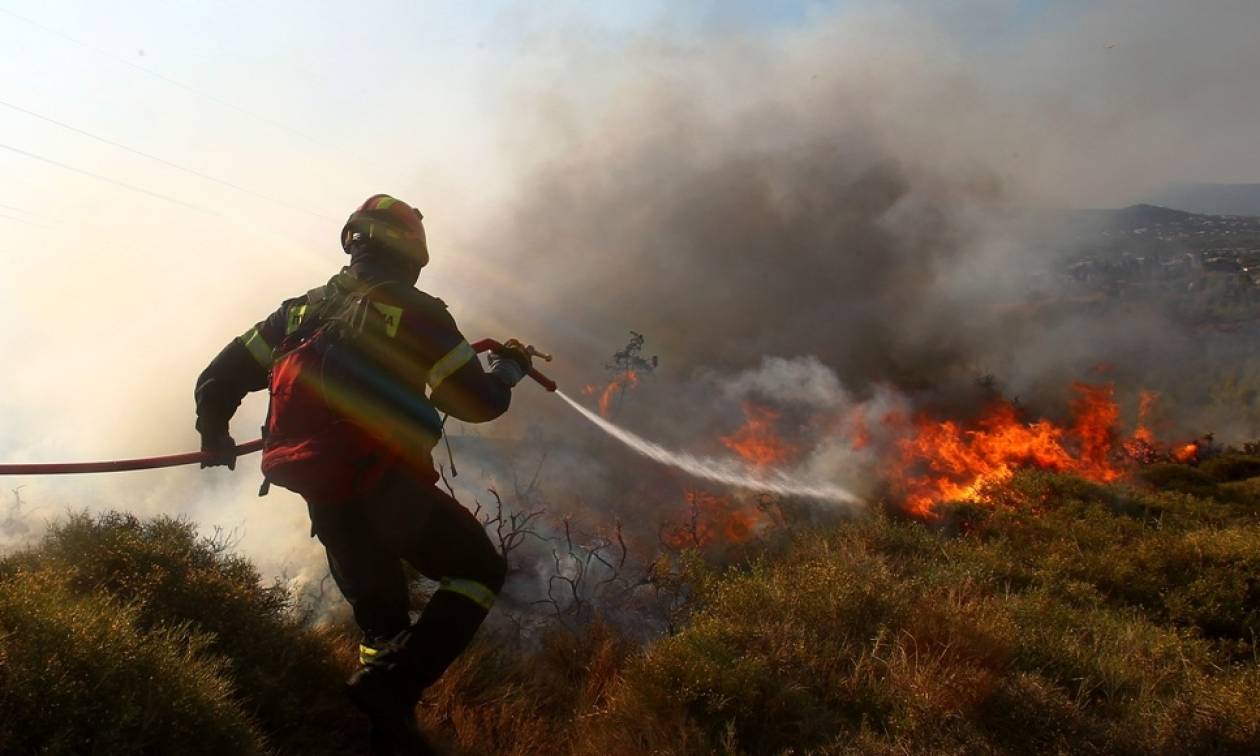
1060, 617
1063, 618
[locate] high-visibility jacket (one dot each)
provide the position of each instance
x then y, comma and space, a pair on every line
410, 364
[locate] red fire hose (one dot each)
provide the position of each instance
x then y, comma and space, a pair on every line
191, 458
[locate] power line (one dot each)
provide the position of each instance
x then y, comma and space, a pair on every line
22, 220
173, 82
109, 180
247, 227
15, 209
163, 161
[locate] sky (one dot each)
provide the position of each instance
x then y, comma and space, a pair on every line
172, 170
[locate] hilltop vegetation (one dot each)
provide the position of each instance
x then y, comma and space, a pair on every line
125, 636
1059, 616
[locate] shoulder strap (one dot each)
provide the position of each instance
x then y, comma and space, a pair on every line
315, 296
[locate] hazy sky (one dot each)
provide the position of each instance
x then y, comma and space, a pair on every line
119, 286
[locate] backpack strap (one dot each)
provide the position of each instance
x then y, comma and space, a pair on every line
315, 296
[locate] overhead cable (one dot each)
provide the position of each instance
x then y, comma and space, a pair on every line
163, 161
173, 82
22, 220
108, 180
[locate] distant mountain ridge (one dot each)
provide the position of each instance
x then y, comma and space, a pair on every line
1144, 230
1210, 199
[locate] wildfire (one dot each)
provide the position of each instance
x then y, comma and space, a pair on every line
619, 384
711, 518
756, 441
928, 461
944, 461
859, 431
1186, 453
1144, 447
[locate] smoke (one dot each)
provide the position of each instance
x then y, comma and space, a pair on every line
822, 216
848, 222
859, 192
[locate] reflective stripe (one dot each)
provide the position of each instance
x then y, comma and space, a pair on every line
367, 654
296, 313
382, 203
469, 589
258, 347
454, 360
392, 315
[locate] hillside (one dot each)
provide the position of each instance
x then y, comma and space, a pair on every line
1152, 225
1211, 199
1054, 616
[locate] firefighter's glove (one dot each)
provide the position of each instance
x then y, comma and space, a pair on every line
220, 450
511, 362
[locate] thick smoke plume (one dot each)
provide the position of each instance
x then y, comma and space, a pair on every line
850, 222
818, 218
860, 193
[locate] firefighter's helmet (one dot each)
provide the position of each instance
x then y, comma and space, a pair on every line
389, 223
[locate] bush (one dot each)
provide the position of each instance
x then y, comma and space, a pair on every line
1232, 466
1057, 616
284, 676
1181, 478
1025, 636
78, 676
1063, 616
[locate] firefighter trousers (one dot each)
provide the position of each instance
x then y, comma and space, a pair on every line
405, 518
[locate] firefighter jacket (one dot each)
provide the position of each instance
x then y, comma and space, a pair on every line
413, 363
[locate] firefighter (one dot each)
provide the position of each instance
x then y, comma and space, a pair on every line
351, 429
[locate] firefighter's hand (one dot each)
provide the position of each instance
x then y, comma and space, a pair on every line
518, 353
220, 451
511, 362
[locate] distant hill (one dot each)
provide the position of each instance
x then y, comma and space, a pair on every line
1211, 199
1143, 224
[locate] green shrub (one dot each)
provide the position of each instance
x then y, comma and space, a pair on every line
1068, 617
283, 675
1183, 478
1056, 616
78, 676
1232, 466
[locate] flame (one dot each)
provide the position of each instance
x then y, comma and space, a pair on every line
1097, 417
1144, 447
620, 383
859, 432
1146, 407
712, 518
937, 461
945, 461
1186, 453
756, 441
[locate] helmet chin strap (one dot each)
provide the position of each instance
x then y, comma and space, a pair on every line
367, 255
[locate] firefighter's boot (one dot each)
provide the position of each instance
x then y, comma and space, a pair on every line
385, 690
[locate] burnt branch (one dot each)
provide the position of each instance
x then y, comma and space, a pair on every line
510, 528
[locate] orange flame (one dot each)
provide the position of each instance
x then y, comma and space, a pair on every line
860, 433
944, 461
1144, 447
756, 441
1186, 453
713, 519
621, 382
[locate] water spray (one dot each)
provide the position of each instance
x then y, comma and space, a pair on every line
725, 471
